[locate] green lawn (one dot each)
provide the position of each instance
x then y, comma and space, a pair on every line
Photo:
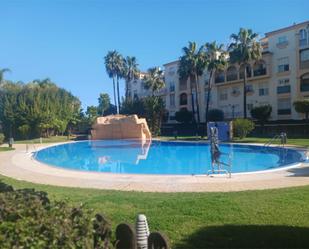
291, 141
6, 149
53, 139
260, 219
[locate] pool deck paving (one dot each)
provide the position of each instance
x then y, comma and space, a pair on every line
19, 164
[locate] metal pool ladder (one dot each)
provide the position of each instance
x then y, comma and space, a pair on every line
282, 137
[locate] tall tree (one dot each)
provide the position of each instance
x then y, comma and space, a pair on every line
244, 49
113, 66
130, 71
216, 60
2, 72
104, 103
154, 80
192, 65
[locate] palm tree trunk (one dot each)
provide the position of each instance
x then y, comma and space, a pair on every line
208, 95
126, 94
118, 94
192, 101
196, 99
245, 93
115, 93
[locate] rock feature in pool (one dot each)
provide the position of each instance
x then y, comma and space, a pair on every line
120, 127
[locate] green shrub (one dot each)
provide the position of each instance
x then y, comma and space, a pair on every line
261, 113
242, 127
215, 115
29, 220
184, 116
1, 138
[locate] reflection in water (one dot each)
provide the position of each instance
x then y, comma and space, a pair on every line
156, 157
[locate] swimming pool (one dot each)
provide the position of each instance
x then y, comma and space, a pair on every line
158, 157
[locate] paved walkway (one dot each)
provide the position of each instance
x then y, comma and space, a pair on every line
20, 165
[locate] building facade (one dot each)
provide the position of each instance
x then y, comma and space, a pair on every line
278, 79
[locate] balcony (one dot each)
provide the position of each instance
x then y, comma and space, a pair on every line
219, 79
259, 72
231, 77
283, 89
284, 111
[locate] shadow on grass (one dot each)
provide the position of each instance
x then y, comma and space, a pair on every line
247, 236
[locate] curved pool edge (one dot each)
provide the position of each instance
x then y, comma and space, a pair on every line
280, 168
19, 165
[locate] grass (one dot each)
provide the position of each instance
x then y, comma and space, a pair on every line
6, 149
53, 139
291, 141
260, 219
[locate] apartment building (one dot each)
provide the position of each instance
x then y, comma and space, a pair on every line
279, 78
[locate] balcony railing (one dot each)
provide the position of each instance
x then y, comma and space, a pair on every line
259, 72
220, 79
231, 77
283, 89
242, 74
284, 111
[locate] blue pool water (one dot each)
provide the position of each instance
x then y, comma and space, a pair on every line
156, 157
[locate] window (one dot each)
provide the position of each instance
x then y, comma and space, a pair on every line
231, 73
284, 106
282, 40
259, 68
172, 99
135, 94
235, 91
304, 55
172, 87
249, 89
263, 89
223, 94
172, 116
219, 76
284, 81
183, 99
283, 89
304, 83
249, 107
182, 84
283, 64
303, 40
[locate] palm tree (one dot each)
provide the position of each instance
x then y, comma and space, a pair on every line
154, 80
243, 49
216, 60
130, 71
113, 63
119, 75
192, 65
2, 72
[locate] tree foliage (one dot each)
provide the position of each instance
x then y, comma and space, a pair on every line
192, 65
104, 103
152, 108
302, 106
184, 116
38, 108
154, 80
216, 60
215, 115
244, 49
261, 113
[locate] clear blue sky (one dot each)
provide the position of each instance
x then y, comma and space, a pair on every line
66, 40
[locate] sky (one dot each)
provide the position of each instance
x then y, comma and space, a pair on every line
66, 40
